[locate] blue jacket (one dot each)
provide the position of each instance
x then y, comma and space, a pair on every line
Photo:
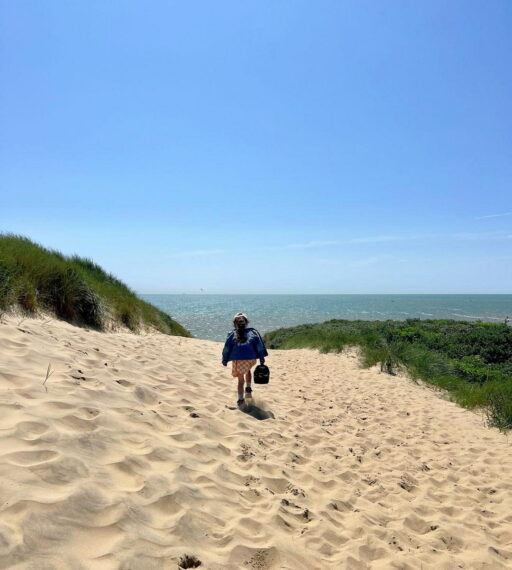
252, 348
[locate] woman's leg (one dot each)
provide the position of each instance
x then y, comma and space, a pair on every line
240, 386
248, 379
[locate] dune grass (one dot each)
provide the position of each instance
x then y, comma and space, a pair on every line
471, 361
77, 290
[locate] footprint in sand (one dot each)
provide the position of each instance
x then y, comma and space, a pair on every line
59, 405
146, 395
255, 558
61, 471
9, 539
124, 474
30, 458
30, 430
87, 413
76, 423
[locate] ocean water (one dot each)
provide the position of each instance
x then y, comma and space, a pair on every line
209, 316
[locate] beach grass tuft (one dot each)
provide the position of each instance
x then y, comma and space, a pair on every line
77, 290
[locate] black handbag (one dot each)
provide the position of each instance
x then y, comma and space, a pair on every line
261, 374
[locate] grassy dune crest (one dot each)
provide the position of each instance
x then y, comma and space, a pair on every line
33, 278
472, 361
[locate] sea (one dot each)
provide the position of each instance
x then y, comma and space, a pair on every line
208, 316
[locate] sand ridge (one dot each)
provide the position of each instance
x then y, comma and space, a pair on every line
133, 454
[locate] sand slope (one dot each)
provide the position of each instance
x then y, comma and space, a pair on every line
134, 455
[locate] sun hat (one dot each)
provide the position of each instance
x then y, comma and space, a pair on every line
239, 316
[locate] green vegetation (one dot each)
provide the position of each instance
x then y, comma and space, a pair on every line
77, 290
473, 361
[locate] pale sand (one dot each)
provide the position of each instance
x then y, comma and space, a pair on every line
135, 456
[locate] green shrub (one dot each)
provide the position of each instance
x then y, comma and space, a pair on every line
381, 350
74, 289
26, 295
499, 410
472, 361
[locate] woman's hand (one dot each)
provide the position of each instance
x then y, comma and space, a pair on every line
224, 363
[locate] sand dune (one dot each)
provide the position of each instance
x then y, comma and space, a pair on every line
132, 454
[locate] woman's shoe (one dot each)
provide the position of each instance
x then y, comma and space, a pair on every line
240, 401
248, 390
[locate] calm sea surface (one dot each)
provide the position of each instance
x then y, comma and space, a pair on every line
209, 316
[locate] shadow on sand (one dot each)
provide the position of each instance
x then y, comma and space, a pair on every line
256, 410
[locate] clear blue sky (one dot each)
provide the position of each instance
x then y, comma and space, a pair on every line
330, 146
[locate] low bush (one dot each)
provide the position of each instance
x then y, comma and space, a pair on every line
77, 290
472, 361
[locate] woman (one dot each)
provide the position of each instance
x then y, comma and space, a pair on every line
243, 346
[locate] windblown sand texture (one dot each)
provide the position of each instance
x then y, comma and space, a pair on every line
132, 454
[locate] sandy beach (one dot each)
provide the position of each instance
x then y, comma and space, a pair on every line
132, 454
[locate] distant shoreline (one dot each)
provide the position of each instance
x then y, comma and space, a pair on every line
208, 315
334, 294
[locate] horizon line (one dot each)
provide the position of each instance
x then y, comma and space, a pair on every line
281, 293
